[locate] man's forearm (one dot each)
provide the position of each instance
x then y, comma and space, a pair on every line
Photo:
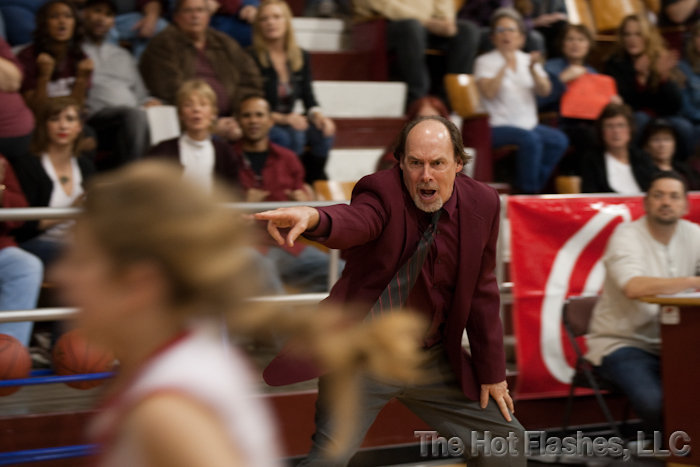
648, 286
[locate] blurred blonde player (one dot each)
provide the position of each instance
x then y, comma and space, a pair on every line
155, 265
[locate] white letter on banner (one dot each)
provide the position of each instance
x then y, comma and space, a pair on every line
558, 286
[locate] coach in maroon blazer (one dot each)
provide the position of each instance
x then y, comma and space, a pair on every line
456, 289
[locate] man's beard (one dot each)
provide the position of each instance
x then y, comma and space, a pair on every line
433, 206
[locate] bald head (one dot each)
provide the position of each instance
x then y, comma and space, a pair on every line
429, 132
428, 163
452, 131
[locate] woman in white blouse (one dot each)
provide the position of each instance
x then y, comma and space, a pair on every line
201, 155
616, 166
53, 175
508, 80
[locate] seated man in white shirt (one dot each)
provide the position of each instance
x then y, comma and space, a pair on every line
656, 254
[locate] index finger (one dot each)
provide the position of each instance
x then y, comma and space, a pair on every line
266, 215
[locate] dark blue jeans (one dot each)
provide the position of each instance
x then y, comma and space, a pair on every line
46, 250
539, 152
637, 373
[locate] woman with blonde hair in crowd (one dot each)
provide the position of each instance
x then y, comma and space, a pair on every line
201, 155
53, 175
158, 270
286, 72
647, 77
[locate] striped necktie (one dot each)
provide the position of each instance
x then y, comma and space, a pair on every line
396, 293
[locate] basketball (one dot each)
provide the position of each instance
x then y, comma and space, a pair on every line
75, 355
15, 362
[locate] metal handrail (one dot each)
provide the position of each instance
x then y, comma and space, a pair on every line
32, 214
55, 314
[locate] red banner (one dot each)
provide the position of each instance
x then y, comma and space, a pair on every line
557, 243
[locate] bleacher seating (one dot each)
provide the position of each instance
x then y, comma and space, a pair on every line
368, 112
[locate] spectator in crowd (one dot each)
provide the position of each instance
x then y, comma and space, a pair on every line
481, 11
16, 120
656, 254
269, 172
188, 49
205, 158
136, 22
660, 142
424, 107
233, 17
117, 91
55, 64
690, 67
416, 25
508, 80
286, 73
21, 272
575, 45
647, 77
53, 175
201, 155
617, 165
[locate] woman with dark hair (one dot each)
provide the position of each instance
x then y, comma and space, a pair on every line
422, 107
647, 77
53, 175
54, 64
616, 166
660, 141
286, 74
575, 46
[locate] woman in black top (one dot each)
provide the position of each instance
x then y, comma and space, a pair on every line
53, 175
286, 76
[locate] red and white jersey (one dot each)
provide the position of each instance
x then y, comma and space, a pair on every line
201, 366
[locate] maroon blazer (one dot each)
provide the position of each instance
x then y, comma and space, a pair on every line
376, 236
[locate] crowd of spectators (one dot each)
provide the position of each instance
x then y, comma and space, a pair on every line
75, 97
